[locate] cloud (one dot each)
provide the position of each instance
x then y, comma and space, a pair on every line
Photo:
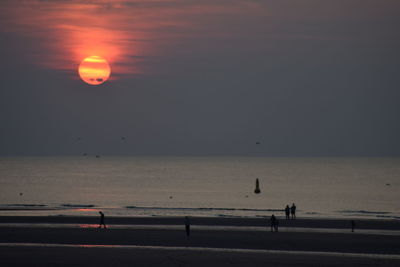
119, 31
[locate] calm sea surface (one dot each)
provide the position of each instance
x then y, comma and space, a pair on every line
202, 186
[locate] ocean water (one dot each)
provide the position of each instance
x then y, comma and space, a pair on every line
200, 186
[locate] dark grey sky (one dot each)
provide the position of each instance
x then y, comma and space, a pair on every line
304, 78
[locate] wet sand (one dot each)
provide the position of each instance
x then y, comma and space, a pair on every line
384, 224
87, 246
32, 256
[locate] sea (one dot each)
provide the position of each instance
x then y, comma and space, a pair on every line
200, 186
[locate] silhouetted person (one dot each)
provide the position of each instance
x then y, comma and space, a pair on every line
187, 226
293, 211
287, 212
274, 223
353, 225
102, 220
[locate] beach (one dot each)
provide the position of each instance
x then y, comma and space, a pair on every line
162, 241
49, 212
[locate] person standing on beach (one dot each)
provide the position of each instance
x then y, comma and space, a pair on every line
287, 212
187, 226
353, 225
102, 220
293, 211
274, 223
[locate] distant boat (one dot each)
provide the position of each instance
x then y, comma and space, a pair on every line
97, 156
257, 190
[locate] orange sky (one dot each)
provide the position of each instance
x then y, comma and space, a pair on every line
122, 32
309, 77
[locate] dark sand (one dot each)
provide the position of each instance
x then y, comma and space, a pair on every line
169, 247
214, 221
32, 256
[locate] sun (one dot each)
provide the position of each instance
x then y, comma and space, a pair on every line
94, 70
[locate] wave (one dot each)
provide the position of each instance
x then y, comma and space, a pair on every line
388, 216
78, 205
23, 205
228, 216
364, 212
202, 209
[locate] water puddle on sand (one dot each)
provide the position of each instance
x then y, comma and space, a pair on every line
206, 249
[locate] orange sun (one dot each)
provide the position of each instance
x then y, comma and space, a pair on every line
94, 70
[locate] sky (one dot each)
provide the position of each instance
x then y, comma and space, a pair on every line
211, 77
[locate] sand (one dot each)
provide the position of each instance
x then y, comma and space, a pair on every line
224, 221
130, 246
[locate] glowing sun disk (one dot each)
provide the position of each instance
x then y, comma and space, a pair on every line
94, 70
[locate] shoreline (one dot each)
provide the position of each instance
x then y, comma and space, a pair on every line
213, 241
137, 211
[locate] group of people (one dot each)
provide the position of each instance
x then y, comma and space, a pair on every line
274, 221
290, 211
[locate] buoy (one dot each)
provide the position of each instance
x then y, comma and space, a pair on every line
257, 190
